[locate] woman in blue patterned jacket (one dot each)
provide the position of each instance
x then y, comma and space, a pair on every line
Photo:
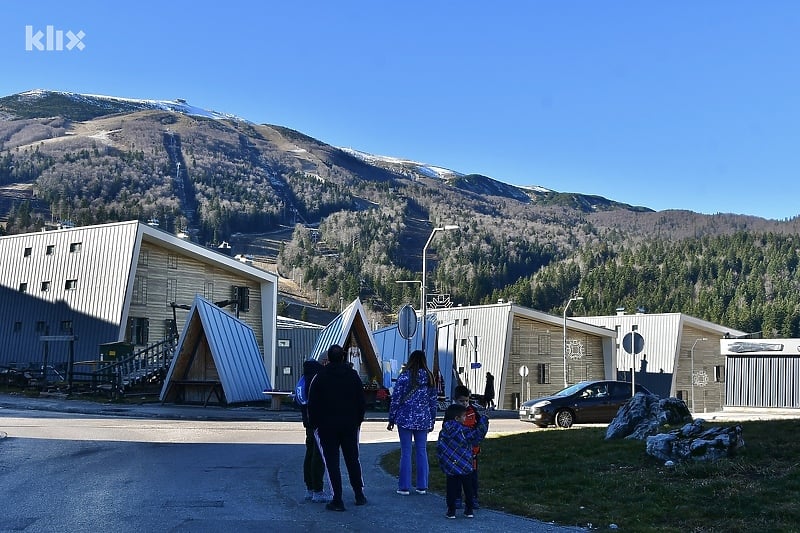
413, 410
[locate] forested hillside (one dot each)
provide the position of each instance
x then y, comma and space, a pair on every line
359, 223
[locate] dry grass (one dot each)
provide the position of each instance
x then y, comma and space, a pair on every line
575, 477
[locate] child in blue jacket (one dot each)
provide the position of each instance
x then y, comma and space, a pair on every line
454, 450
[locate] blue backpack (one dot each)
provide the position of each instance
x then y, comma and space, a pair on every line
300, 391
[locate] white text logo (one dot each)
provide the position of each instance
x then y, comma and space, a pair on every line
53, 39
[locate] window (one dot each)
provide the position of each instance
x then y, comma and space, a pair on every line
543, 373
45, 286
144, 257
27, 252
465, 322
172, 291
719, 374
71, 284
23, 287
75, 247
208, 290
463, 342
139, 291
284, 343
683, 395
138, 330
66, 326
40, 326
242, 297
17, 327
172, 261
50, 250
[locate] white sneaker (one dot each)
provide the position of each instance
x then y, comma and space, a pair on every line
421, 491
403, 492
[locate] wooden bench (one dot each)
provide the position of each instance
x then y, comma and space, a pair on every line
213, 387
276, 398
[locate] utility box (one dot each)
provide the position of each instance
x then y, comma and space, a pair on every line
115, 351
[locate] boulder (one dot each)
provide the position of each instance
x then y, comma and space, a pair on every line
693, 443
645, 415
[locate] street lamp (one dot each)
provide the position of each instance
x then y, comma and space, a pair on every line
448, 227
692, 377
573, 299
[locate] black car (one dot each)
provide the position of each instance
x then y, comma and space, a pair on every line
583, 403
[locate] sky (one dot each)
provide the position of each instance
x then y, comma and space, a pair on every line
687, 104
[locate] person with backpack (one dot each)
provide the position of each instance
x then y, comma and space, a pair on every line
313, 465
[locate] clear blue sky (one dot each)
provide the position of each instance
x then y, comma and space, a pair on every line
686, 104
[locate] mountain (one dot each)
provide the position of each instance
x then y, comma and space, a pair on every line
341, 222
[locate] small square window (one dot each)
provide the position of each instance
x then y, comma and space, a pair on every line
66, 326
40, 326
45, 286
17, 327
23, 287
172, 262
27, 252
50, 250
71, 284
75, 247
284, 343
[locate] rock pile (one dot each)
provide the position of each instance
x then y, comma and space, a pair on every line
693, 443
647, 414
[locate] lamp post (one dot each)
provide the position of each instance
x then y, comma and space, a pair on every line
692, 376
448, 227
573, 299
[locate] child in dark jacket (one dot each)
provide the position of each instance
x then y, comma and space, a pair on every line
462, 396
454, 450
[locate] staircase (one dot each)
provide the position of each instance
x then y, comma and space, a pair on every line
146, 367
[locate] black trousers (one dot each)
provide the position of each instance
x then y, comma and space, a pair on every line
313, 467
455, 484
332, 440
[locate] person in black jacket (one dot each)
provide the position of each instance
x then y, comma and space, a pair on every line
313, 467
336, 409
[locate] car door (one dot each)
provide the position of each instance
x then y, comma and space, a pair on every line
619, 393
589, 404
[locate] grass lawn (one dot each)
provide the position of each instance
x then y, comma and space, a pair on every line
576, 477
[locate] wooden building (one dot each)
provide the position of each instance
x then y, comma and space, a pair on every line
118, 282
672, 354
522, 348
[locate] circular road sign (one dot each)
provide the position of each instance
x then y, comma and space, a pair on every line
523, 371
407, 321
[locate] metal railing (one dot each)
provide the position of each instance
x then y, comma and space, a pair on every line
147, 365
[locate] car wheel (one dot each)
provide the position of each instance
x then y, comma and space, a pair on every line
564, 418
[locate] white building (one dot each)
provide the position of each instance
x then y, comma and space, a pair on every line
117, 282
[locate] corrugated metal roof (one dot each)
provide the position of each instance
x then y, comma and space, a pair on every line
661, 333
234, 349
490, 325
337, 331
86, 272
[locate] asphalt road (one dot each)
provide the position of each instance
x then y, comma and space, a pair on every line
77, 466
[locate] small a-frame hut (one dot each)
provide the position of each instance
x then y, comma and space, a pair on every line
350, 330
217, 360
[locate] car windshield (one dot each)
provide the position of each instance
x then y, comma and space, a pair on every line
572, 389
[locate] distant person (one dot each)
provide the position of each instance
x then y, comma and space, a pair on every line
462, 397
313, 465
336, 410
488, 392
413, 408
454, 450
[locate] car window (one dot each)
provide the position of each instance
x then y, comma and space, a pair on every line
620, 390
